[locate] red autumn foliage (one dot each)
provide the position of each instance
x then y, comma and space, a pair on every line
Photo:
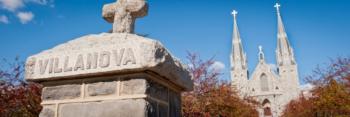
212, 97
17, 97
330, 95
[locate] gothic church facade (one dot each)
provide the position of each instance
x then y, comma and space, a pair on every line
272, 89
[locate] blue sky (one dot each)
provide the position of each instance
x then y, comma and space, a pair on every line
317, 29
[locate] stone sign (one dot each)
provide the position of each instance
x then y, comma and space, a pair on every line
110, 74
81, 62
105, 54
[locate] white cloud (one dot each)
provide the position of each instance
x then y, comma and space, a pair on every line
4, 19
11, 5
217, 66
14, 6
41, 2
306, 87
25, 17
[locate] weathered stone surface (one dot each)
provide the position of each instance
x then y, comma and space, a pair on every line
101, 88
158, 91
96, 55
133, 86
116, 108
126, 65
174, 104
48, 111
61, 92
123, 14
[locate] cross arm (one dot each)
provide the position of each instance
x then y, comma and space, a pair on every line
108, 12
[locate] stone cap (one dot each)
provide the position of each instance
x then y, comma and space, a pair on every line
106, 53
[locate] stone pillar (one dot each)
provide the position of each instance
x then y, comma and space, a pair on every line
109, 75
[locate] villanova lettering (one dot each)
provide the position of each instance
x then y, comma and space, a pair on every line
94, 60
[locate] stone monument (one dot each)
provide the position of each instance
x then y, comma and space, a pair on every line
115, 74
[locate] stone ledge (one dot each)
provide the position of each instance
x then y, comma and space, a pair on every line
101, 88
113, 108
48, 111
106, 53
69, 91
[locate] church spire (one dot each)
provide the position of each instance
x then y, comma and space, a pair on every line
238, 57
239, 69
284, 52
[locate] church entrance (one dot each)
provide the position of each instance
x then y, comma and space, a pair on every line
267, 108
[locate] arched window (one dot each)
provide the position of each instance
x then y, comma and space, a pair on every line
264, 84
266, 106
266, 102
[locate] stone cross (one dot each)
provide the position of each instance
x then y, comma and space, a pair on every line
234, 13
123, 14
277, 6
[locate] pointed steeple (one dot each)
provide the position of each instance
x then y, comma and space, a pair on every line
284, 52
239, 69
238, 57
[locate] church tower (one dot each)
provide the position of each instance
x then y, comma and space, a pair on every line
239, 69
286, 64
271, 88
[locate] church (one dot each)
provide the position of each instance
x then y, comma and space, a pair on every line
273, 89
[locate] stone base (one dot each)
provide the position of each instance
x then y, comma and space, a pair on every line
109, 75
133, 95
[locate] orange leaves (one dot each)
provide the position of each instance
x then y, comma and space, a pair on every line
331, 95
211, 96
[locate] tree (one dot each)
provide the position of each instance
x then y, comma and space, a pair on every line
17, 97
211, 96
330, 95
